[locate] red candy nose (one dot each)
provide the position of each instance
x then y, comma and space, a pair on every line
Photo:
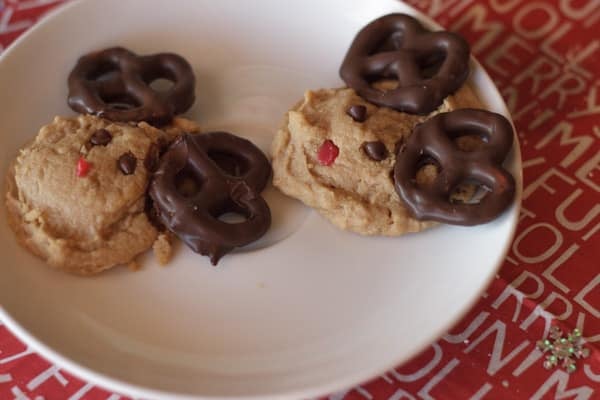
83, 167
327, 153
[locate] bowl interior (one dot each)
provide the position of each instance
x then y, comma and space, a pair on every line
306, 310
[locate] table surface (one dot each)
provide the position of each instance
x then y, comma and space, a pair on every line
545, 58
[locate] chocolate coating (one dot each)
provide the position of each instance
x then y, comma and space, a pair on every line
428, 65
399, 144
358, 112
432, 142
376, 150
223, 173
127, 163
115, 84
151, 159
101, 137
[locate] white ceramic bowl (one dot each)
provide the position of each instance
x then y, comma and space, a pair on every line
307, 310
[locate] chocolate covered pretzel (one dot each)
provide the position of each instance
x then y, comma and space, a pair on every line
427, 65
115, 84
432, 142
202, 177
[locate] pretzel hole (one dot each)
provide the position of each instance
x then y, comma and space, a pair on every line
469, 192
469, 142
427, 171
120, 101
104, 70
390, 43
430, 64
188, 183
229, 163
383, 84
232, 217
161, 85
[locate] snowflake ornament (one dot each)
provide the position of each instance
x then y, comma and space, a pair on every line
565, 350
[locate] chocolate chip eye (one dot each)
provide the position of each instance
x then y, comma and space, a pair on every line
229, 163
101, 137
127, 163
375, 150
357, 112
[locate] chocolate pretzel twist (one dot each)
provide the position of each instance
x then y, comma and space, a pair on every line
115, 84
427, 65
433, 140
228, 173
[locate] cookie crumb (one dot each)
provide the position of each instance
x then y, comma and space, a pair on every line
32, 215
177, 127
185, 125
163, 249
133, 265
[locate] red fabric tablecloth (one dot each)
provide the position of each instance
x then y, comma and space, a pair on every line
545, 58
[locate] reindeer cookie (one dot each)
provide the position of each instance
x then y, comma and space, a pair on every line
366, 157
336, 153
76, 194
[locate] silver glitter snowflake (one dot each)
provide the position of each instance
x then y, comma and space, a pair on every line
563, 350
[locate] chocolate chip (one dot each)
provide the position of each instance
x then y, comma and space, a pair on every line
101, 137
358, 113
375, 150
127, 163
